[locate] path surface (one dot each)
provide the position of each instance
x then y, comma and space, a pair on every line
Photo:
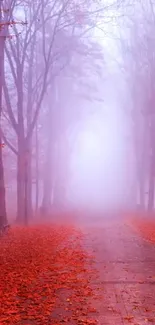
126, 265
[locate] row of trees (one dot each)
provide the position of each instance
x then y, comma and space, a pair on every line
137, 46
46, 61
49, 71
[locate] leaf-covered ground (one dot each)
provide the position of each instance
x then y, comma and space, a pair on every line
45, 277
145, 226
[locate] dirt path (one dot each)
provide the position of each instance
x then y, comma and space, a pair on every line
126, 264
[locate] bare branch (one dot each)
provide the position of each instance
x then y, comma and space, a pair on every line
9, 107
8, 143
11, 63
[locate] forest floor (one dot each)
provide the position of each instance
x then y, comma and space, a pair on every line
102, 273
126, 265
145, 226
46, 277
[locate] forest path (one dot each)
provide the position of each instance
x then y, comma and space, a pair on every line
126, 265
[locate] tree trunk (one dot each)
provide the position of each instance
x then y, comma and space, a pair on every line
26, 197
151, 184
20, 182
20, 188
37, 172
47, 194
61, 172
24, 186
141, 190
21, 150
3, 216
29, 121
50, 168
29, 181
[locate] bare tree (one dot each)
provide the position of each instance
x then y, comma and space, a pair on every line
138, 69
37, 48
73, 89
6, 23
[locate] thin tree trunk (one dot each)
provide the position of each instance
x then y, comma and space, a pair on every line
20, 185
29, 120
28, 211
3, 216
21, 149
23, 207
50, 160
61, 173
47, 195
26, 188
29, 181
141, 190
151, 191
37, 171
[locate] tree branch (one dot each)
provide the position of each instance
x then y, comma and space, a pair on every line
8, 143
9, 108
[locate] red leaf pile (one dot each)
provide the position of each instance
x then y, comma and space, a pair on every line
45, 277
145, 226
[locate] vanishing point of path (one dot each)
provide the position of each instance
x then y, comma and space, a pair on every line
126, 265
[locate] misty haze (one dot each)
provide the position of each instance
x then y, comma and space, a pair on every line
77, 162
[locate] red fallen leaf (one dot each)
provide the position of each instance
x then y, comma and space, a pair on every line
41, 256
92, 310
149, 320
87, 322
147, 309
145, 226
129, 318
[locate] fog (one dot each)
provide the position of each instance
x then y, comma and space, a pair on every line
98, 173
102, 162
75, 109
